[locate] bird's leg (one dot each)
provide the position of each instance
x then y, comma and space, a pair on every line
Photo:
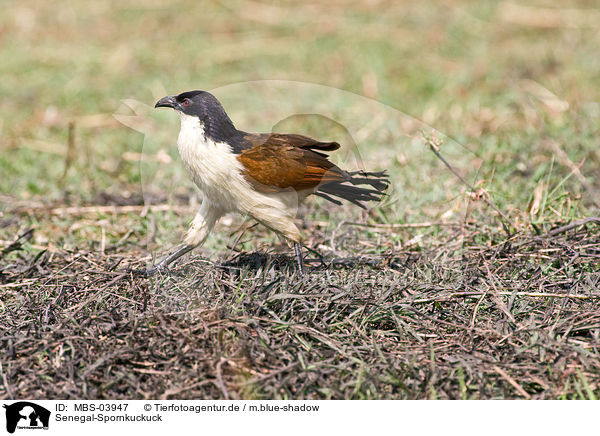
163, 264
298, 251
201, 226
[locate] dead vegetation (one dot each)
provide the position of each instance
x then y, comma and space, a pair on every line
484, 288
463, 319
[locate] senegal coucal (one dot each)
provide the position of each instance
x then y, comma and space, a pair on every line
262, 175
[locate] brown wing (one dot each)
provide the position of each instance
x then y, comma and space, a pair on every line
299, 141
287, 161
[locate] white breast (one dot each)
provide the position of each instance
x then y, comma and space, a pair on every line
215, 169
211, 165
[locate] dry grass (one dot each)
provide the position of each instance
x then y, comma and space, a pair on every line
516, 319
445, 290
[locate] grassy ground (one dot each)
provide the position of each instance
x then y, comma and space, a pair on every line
441, 291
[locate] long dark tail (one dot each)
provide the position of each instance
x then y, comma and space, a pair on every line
348, 190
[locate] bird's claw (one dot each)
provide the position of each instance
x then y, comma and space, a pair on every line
147, 272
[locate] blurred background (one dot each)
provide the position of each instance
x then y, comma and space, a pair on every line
511, 88
425, 295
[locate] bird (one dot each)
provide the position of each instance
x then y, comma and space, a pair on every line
261, 175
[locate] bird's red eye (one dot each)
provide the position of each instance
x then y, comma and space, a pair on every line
186, 102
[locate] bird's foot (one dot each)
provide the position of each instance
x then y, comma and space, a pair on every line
147, 272
163, 265
302, 273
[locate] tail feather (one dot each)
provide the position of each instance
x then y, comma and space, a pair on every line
348, 189
378, 180
328, 198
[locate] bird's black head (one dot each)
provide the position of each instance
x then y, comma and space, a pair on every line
204, 106
194, 103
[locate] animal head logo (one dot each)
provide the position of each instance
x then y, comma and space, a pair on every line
24, 414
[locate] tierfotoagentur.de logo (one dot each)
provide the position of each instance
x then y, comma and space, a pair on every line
24, 415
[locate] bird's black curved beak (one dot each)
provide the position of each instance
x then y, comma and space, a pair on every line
168, 101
